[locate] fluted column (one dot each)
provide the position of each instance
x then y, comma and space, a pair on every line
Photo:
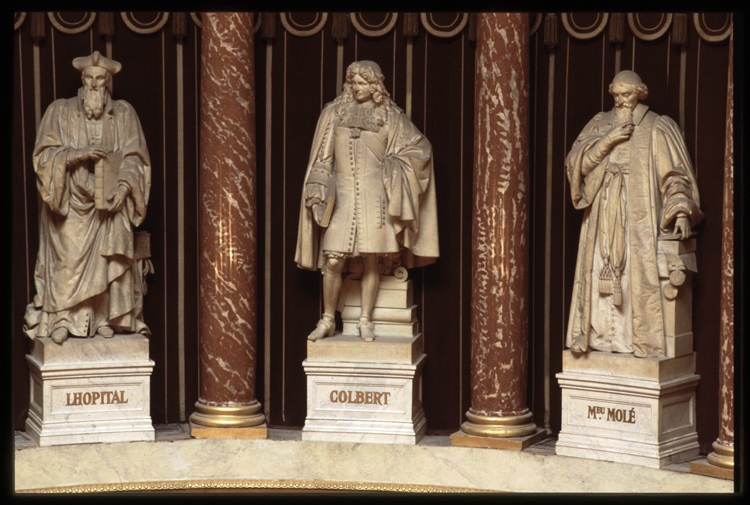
228, 265
500, 232
723, 453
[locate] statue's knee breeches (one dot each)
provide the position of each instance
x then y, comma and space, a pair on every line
334, 266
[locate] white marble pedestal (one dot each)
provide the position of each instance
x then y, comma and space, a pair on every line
364, 391
616, 407
90, 390
368, 391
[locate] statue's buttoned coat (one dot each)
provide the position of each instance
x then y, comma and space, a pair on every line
384, 188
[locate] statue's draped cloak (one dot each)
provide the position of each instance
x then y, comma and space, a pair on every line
408, 179
660, 187
83, 275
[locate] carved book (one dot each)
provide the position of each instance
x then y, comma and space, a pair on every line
105, 175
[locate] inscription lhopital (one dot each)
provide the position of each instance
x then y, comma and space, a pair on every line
95, 397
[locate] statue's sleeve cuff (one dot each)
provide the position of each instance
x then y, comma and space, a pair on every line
319, 176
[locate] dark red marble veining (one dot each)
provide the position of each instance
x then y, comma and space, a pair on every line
500, 233
228, 267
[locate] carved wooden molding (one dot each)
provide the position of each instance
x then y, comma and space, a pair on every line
18, 19
71, 27
444, 31
307, 30
371, 30
145, 27
584, 32
649, 33
196, 17
711, 34
536, 24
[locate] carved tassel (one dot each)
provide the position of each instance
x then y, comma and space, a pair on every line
340, 26
617, 292
679, 29
550, 30
605, 280
37, 26
179, 25
411, 24
107, 24
617, 27
268, 26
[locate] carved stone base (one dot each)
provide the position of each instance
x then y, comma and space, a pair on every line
374, 398
90, 390
616, 407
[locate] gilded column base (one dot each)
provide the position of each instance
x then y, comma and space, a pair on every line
499, 427
227, 417
722, 455
718, 464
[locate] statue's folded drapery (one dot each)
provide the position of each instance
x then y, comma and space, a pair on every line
630, 198
83, 273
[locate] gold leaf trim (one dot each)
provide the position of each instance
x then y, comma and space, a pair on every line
312, 485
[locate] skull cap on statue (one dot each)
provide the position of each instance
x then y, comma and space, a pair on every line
628, 77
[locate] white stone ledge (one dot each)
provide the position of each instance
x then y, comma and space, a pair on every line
284, 461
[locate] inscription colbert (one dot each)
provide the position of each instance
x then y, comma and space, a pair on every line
95, 398
366, 397
613, 415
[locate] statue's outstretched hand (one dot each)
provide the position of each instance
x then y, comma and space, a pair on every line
116, 198
682, 227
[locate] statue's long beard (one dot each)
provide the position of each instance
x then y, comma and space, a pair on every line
624, 114
93, 102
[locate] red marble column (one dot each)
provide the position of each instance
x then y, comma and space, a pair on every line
500, 233
228, 266
723, 453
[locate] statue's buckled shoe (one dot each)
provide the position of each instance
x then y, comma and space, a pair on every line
325, 328
366, 329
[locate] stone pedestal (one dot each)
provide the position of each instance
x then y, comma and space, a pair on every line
90, 390
616, 407
368, 391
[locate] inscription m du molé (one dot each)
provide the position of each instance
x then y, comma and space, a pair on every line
616, 415
95, 397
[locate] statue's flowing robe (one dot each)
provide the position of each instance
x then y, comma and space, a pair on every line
401, 178
650, 185
83, 275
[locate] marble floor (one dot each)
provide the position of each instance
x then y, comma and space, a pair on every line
285, 463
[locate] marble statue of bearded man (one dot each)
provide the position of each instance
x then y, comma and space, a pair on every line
83, 276
630, 171
368, 154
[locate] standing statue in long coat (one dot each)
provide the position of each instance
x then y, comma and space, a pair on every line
369, 192
630, 171
85, 283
